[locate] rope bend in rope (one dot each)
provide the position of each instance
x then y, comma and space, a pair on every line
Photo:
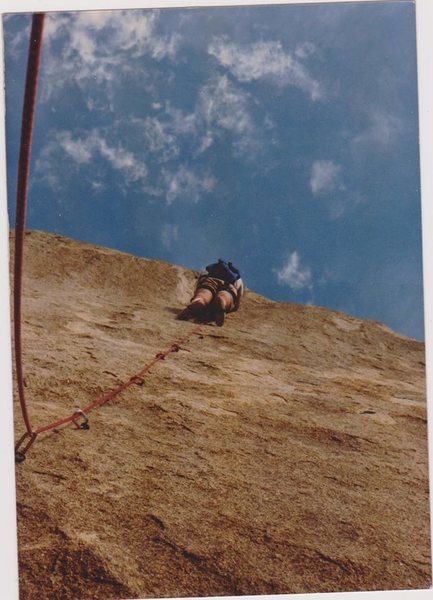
29, 103
80, 416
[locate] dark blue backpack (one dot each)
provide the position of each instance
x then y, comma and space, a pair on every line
223, 270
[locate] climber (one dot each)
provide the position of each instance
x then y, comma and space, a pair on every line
218, 291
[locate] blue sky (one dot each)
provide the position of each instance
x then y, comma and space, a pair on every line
283, 138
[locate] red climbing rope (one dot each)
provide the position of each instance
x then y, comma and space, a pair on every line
82, 413
22, 179
28, 438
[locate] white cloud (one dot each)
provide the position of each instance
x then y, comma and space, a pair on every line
79, 150
121, 159
169, 234
268, 61
14, 42
305, 50
161, 136
94, 46
206, 142
97, 186
158, 139
93, 50
184, 183
382, 131
181, 123
83, 150
135, 32
294, 275
325, 177
222, 106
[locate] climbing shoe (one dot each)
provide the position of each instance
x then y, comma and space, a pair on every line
197, 305
185, 314
220, 318
220, 313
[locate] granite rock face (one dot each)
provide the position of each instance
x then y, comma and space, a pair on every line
284, 452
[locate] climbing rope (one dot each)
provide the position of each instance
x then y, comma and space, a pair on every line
79, 417
21, 198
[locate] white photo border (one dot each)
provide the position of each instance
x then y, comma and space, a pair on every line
424, 14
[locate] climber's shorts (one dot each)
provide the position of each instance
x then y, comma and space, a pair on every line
215, 285
209, 283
